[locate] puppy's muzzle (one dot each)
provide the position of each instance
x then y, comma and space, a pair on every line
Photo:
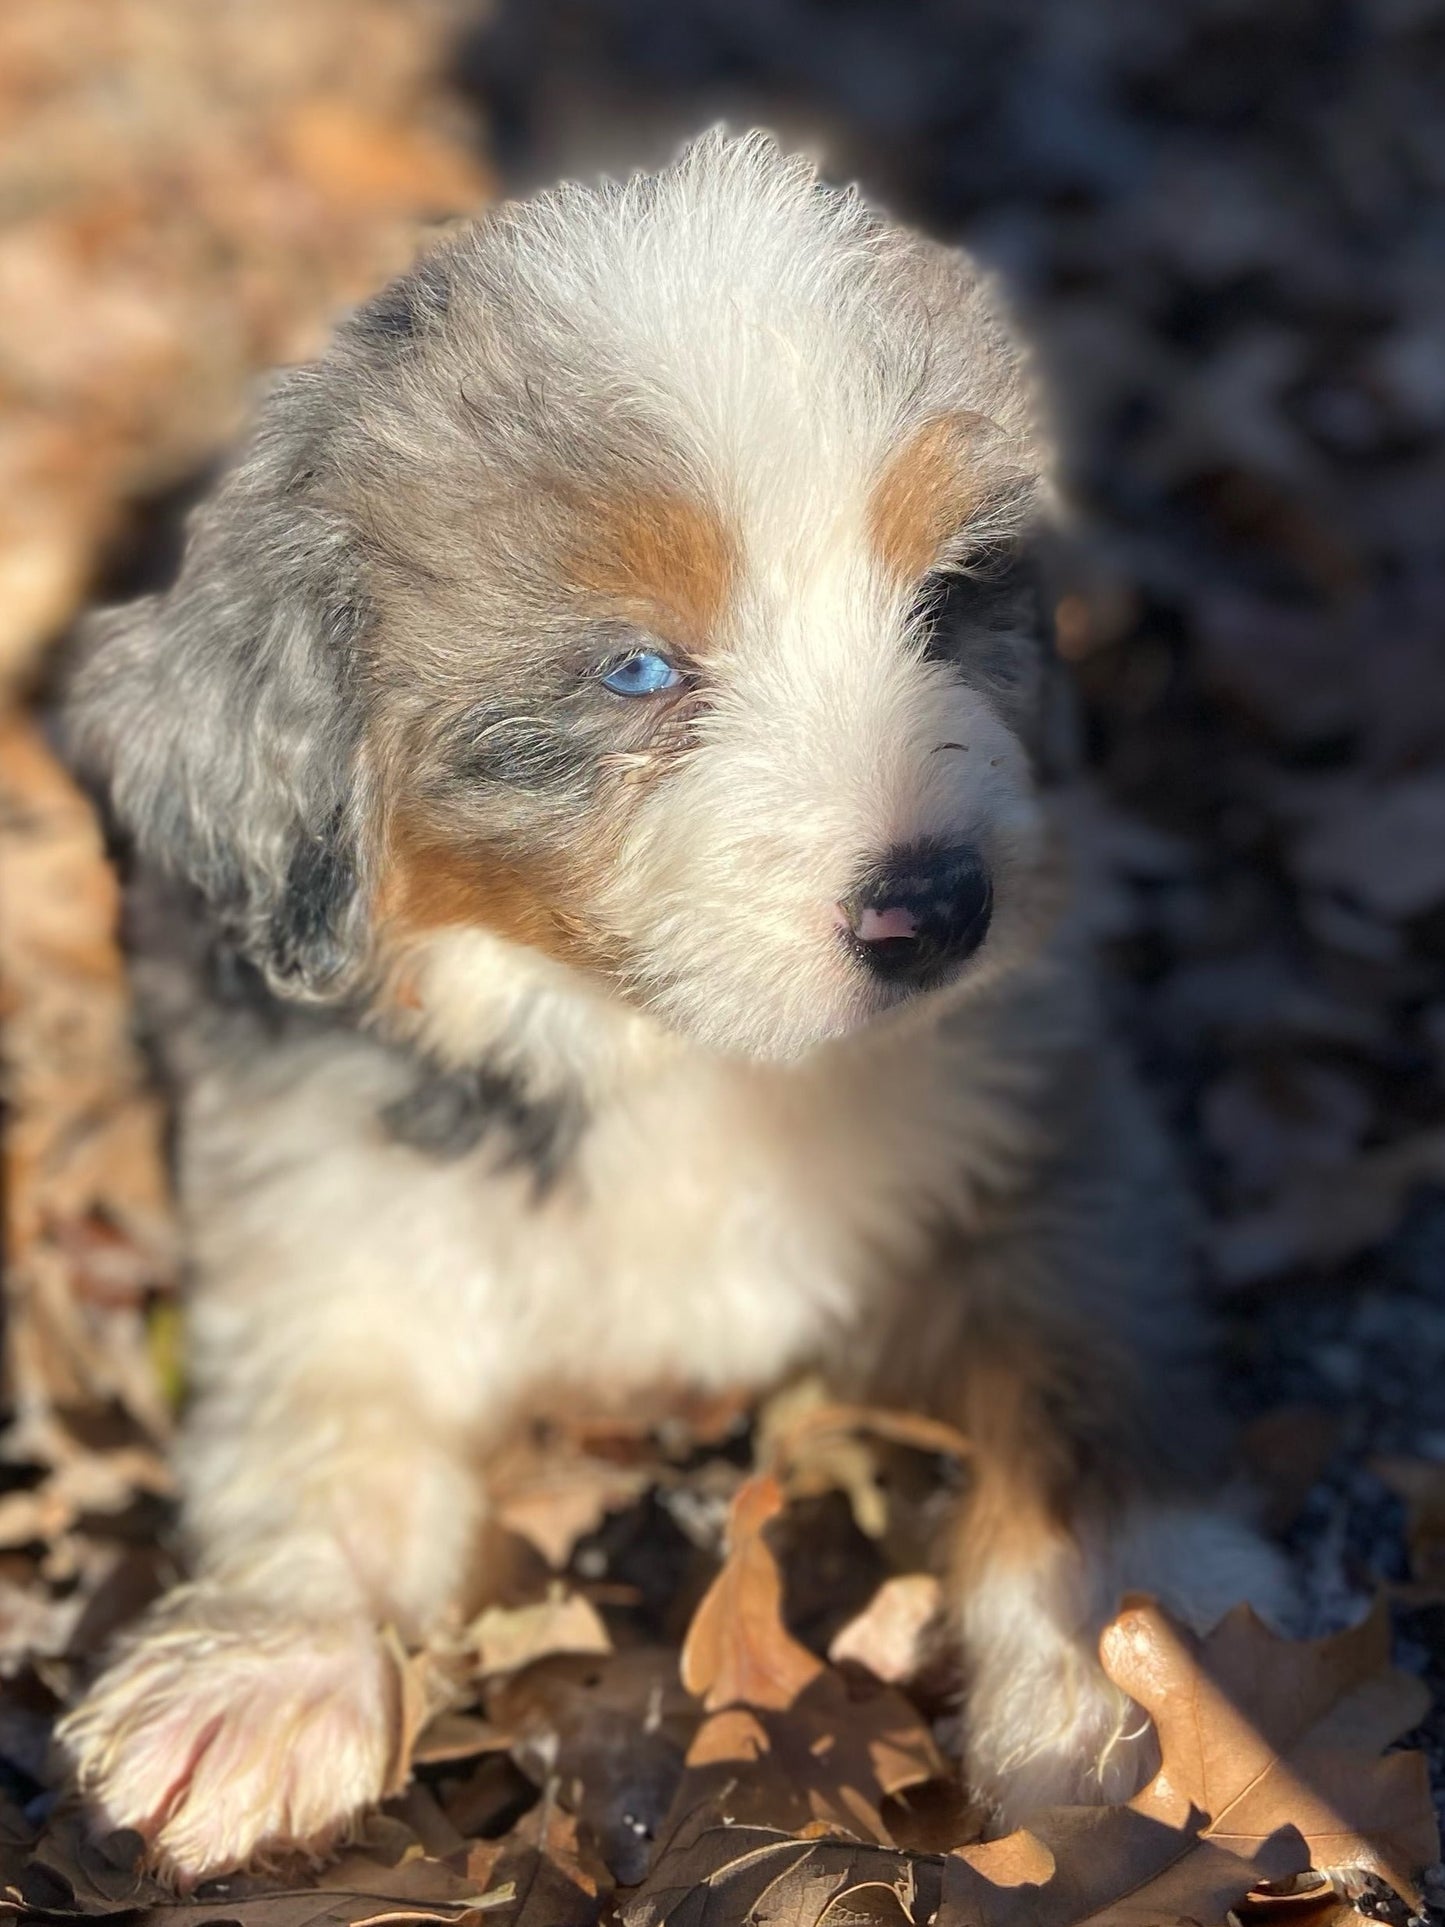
920, 913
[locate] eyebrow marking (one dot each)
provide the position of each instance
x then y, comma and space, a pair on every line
924, 495
663, 559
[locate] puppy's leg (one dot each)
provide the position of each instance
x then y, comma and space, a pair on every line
254, 1712
1058, 1525
1066, 1514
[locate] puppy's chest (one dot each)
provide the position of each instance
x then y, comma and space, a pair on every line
711, 1227
706, 1224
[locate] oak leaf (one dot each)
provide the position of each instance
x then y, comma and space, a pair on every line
1269, 1769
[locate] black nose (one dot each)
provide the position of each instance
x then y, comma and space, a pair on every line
919, 913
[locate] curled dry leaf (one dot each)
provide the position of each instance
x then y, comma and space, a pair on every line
563, 1500
556, 1879
571, 1469
715, 1872
814, 1444
425, 1687
737, 1651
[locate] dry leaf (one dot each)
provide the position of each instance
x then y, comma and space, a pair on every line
202, 212
556, 1878
1093, 1867
814, 1444
785, 1744
1381, 844
562, 1498
506, 1638
1286, 1451
715, 1873
84, 1172
1322, 1219
1269, 1768
425, 1688
457, 1736
786, 1739
611, 1734
736, 1652
891, 1637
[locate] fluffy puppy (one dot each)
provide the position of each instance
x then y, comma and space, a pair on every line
614, 934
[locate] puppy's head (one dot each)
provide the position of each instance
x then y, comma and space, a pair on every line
636, 596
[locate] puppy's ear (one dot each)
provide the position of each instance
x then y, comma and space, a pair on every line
224, 718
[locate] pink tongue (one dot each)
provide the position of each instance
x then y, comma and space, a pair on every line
876, 926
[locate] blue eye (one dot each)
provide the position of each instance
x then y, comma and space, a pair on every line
644, 674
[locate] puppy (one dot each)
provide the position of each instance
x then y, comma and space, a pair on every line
606, 920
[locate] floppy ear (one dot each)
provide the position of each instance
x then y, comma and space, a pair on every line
223, 718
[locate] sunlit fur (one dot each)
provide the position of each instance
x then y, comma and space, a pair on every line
363, 754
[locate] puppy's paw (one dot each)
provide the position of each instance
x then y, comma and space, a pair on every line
1045, 1726
227, 1737
1056, 1732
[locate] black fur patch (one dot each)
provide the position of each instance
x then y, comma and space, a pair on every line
449, 1113
307, 945
985, 622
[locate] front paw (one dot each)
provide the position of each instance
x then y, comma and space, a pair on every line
228, 1737
1054, 1731
1045, 1724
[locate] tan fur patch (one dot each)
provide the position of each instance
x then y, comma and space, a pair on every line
430, 885
924, 495
1035, 1400
1026, 1484
666, 561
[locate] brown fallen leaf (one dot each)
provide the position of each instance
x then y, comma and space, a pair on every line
1093, 1867
736, 1651
84, 1170
785, 1746
715, 1872
1270, 1768
823, 1755
426, 1686
559, 1500
611, 1733
1380, 843
457, 1736
1321, 1219
892, 1636
1309, 1900
238, 180
569, 1470
556, 1878
503, 1639
1286, 1451
73, 1876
